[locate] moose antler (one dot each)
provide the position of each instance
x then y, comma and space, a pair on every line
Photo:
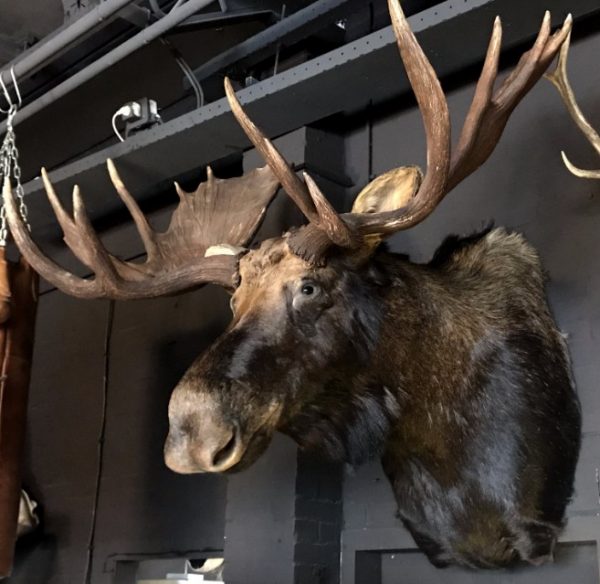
484, 124
560, 80
197, 248
316, 209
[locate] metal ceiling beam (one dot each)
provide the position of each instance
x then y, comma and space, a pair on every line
292, 28
63, 39
225, 18
125, 49
453, 34
288, 31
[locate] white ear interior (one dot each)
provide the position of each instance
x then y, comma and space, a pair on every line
222, 249
389, 191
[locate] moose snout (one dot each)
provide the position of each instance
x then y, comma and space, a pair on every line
215, 447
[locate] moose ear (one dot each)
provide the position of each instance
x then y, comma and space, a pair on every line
390, 191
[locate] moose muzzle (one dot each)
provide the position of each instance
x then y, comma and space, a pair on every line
204, 444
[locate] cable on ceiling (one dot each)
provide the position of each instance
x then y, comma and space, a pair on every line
187, 71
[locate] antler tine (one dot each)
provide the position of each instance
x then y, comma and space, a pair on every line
89, 249
80, 236
282, 170
331, 222
436, 120
560, 80
40, 263
483, 95
489, 111
64, 219
146, 232
336, 230
434, 110
518, 79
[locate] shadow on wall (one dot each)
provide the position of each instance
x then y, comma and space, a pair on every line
35, 560
146, 510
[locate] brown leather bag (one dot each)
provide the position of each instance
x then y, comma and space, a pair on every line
18, 303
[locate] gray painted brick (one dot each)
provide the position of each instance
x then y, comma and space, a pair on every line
307, 530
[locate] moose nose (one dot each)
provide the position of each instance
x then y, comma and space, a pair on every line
216, 448
220, 448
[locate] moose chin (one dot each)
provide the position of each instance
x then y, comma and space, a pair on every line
453, 372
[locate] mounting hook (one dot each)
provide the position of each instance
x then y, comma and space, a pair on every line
12, 106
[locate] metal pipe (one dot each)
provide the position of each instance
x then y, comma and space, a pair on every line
52, 47
144, 37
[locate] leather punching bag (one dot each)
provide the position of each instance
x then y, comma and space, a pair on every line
18, 303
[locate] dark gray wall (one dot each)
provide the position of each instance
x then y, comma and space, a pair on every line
143, 507
524, 186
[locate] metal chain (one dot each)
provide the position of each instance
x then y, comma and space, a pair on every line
9, 165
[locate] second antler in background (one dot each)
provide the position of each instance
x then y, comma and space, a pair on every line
560, 80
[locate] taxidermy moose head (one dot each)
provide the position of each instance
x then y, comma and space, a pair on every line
453, 372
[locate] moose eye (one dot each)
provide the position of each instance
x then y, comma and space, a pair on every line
307, 294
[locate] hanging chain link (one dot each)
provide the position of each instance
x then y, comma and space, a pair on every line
9, 164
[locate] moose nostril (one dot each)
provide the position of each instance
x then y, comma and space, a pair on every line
225, 453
